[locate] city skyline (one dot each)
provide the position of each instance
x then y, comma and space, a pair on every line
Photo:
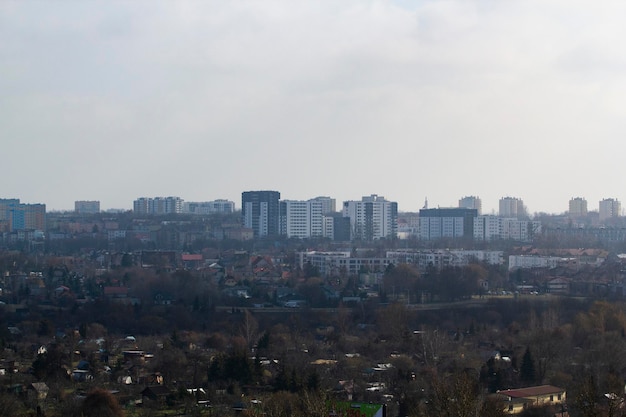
236, 204
418, 100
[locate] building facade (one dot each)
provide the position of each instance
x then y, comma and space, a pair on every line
520, 230
372, 218
329, 205
511, 207
209, 207
18, 217
472, 202
577, 207
301, 219
444, 223
158, 205
609, 208
336, 227
488, 228
87, 207
441, 258
260, 212
341, 263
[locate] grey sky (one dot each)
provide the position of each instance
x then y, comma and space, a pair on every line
113, 100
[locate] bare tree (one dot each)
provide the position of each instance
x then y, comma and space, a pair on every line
249, 328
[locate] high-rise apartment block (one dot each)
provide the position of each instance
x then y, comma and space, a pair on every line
577, 207
372, 218
301, 219
87, 207
511, 207
609, 208
471, 202
336, 227
260, 212
489, 228
209, 207
328, 204
440, 223
158, 205
520, 230
22, 216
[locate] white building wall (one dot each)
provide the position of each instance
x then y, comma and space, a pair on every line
328, 226
209, 207
487, 228
609, 208
329, 205
301, 219
520, 230
511, 207
471, 202
383, 221
263, 218
432, 228
528, 262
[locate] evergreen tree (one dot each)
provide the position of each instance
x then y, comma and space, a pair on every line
527, 370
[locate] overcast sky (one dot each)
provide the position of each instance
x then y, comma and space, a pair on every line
115, 100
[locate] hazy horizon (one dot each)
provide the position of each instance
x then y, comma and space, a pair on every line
112, 101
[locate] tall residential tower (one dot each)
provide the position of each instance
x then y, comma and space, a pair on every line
372, 218
260, 212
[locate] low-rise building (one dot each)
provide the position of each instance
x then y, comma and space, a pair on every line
517, 400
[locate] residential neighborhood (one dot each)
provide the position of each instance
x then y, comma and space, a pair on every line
167, 312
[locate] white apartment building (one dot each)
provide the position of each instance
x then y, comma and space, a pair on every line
329, 205
209, 207
301, 219
609, 208
116, 234
441, 258
528, 262
577, 207
488, 228
511, 207
338, 263
520, 230
372, 218
471, 202
442, 223
158, 205
86, 207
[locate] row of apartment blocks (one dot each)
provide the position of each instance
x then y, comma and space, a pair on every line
374, 217
176, 205
510, 207
453, 223
16, 216
514, 207
608, 208
371, 218
337, 263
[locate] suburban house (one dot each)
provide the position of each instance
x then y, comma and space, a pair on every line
517, 400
